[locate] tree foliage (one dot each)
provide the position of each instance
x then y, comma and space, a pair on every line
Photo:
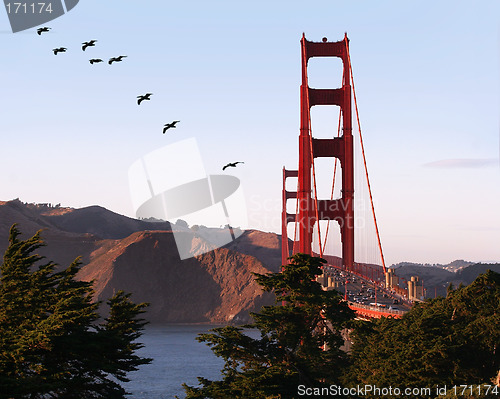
52, 344
299, 343
444, 341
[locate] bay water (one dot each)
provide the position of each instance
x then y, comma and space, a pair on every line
177, 358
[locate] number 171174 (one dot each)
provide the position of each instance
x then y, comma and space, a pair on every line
28, 8
483, 389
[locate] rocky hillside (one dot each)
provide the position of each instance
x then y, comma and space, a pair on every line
64, 246
141, 257
215, 287
266, 247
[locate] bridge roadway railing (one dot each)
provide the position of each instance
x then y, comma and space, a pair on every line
375, 311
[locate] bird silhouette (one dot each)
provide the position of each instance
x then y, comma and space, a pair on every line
169, 125
232, 165
59, 50
95, 60
88, 44
117, 59
44, 29
144, 97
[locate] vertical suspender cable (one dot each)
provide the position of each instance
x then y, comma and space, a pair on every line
334, 173
364, 161
296, 218
314, 184
314, 175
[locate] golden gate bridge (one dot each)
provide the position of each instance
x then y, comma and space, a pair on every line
314, 220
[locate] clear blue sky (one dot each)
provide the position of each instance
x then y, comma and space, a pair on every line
427, 82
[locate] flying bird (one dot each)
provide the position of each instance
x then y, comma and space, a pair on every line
232, 165
95, 60
144, 97
117, 59
88, 44
44, 29
169, 125
59, 50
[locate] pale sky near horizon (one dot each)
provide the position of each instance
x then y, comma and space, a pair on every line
427, 83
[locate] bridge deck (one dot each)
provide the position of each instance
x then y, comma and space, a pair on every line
373, 312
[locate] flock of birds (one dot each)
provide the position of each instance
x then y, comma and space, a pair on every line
140, 98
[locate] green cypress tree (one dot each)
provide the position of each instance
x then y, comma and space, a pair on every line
299, 344
445, 341
51, 344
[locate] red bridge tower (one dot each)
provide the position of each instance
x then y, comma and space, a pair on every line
310, 210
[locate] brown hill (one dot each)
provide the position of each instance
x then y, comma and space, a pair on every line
101, 222
266, 247
63, 247
68, 232
141, 257
215, 287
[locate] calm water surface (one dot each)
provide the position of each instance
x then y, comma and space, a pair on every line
177, 358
